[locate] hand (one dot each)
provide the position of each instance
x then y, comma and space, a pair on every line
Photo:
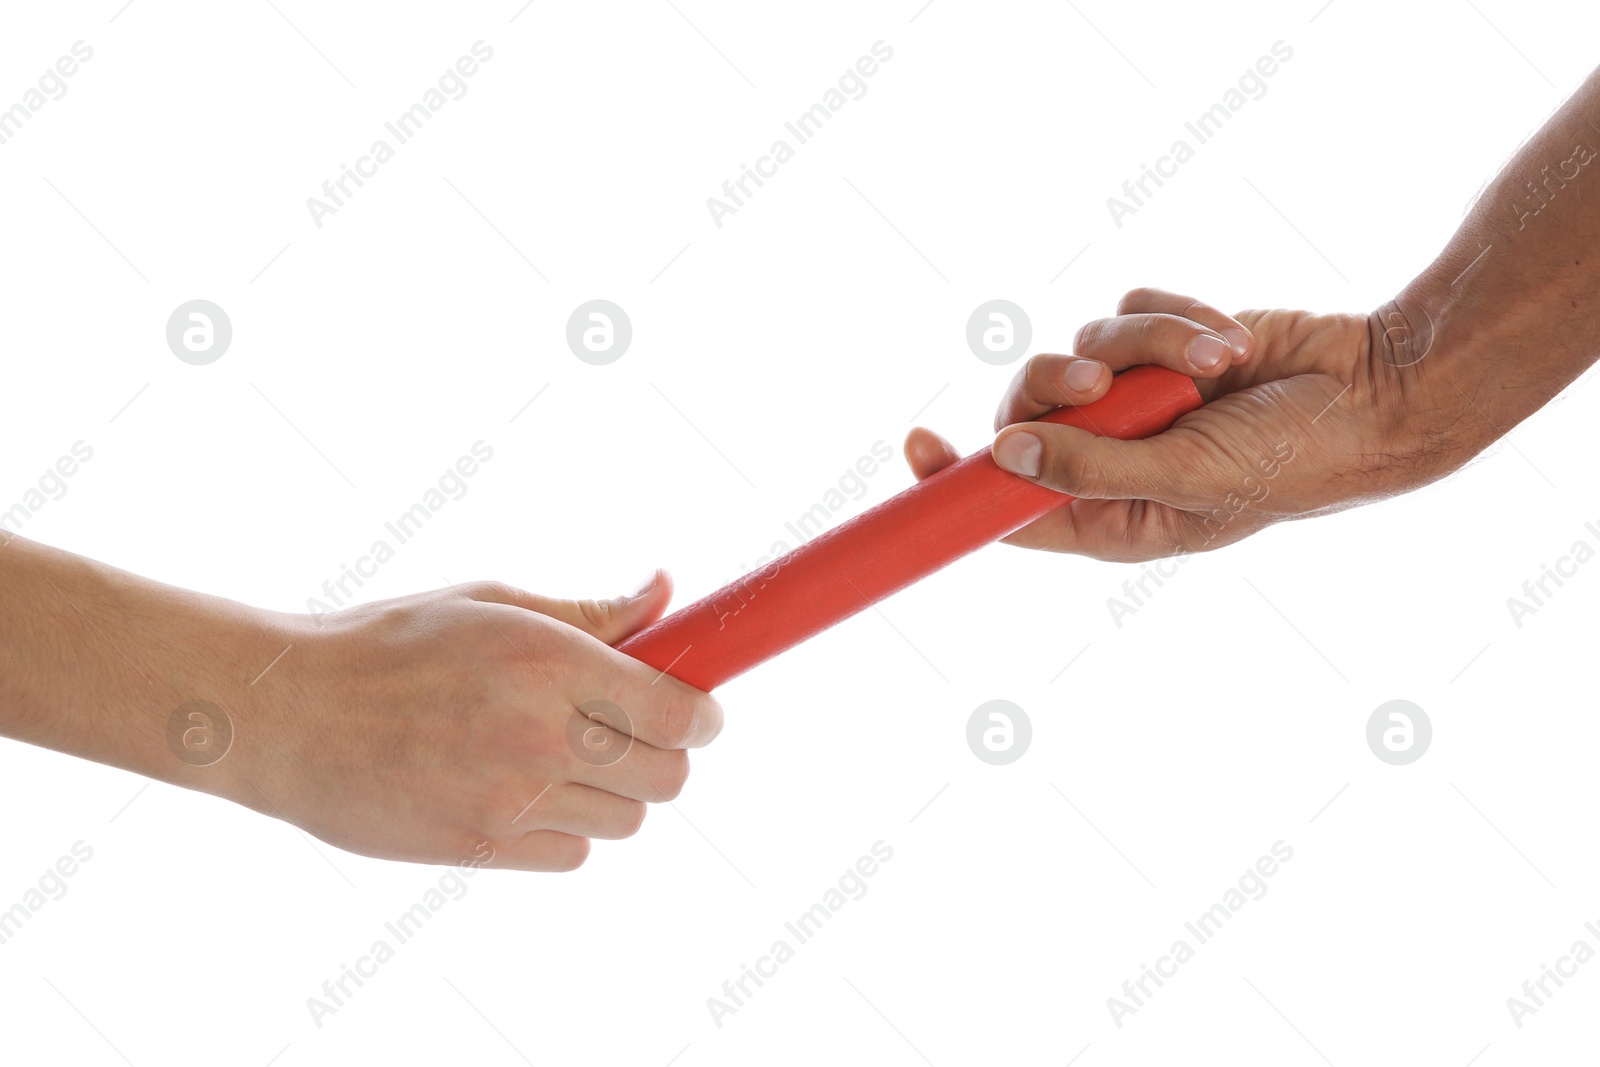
445, 728
1305, 414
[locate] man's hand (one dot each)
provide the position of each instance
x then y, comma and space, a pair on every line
1311, 413
1305, 414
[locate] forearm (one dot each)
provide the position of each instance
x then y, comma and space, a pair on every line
1507, 315
95, 662
422, 728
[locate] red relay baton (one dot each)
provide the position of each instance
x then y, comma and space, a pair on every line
888, 547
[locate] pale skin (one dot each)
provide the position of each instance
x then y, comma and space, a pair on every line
1367, 405
437, 728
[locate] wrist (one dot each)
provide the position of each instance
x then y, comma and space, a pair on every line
1437, 372
224, 723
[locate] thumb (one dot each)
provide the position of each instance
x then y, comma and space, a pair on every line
610, 620
1167, 468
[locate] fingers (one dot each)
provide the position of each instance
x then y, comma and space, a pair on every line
602, 795
656, 708
1177, 343
1151, 326
927, 453
1112, 530
583, 811
1161, 302
632, 768
540, 850
665, 712
652, 706
608, 620
561, 825
1049, 381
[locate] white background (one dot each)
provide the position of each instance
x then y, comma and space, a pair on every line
1222, 717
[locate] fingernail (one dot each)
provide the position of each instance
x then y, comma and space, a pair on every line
648, 584
1019, 454
1082, 375
1207, 352
1239, 341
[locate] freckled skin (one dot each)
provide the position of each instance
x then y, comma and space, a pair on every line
1314, 413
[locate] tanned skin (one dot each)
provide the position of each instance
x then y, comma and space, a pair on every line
1365, 406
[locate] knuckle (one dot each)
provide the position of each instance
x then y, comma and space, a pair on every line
596, 612
631, 820
678, 718
709, 718
676, 775
1151, 329
1072, 470
1168, 333
1089, 335
1134, 298
570, 855
492, 591
1034, 376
